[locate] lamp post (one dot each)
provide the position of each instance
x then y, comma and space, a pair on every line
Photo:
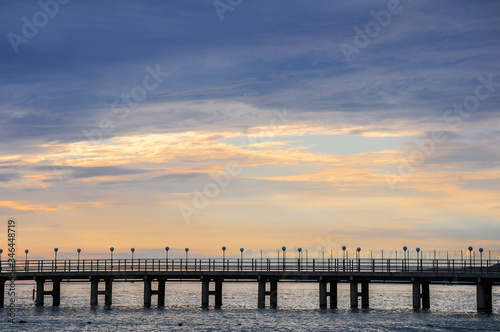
1, 251
404, 255
166, 255
26, 260
132, 253
55, 258
241, 255
480, 255
78, 251
284, 257
358, 253
223, 258
418, 250
299, 250
470, 257
343, 256
186, 250
111, 250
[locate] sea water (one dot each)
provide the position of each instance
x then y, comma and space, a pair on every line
453, 308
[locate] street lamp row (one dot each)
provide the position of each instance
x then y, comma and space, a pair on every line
344, 248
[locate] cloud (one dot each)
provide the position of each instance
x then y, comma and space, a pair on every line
89, 172
7, 177
266, 63
267, 89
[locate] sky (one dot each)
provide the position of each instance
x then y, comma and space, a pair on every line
254, 124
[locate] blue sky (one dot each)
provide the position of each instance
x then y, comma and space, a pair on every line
74, 153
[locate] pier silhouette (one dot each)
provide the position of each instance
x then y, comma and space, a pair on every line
267, 272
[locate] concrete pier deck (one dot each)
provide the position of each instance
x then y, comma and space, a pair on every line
359, 273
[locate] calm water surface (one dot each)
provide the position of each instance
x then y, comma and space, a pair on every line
453, 308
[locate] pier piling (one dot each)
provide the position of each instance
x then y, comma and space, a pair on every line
354, 294
484, 296
324, 294
107, 292
161, 291
2, 293
41, 292
416, 294
272, 293
40, 282
56, 292
262, 293
364, 294
218, 293
333, 294
205, 284
206, 292
365, 298
421, 295
149, 292
426, 301
94, 290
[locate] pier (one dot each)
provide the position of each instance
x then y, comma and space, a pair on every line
268, 273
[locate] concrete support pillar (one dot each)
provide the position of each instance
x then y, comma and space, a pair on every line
426, 303
333, 294
108, 293
262, 294
218, 294
40, 283
484, 296
416, 295
365, 296
421, 295
56, 293
94, 290
322, 294
147, 292
205, 284
161, 292
2, 293
274, 294
354, 294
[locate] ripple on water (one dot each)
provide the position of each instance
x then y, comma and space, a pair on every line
452, 309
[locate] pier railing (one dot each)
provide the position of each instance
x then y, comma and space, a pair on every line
254, 264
